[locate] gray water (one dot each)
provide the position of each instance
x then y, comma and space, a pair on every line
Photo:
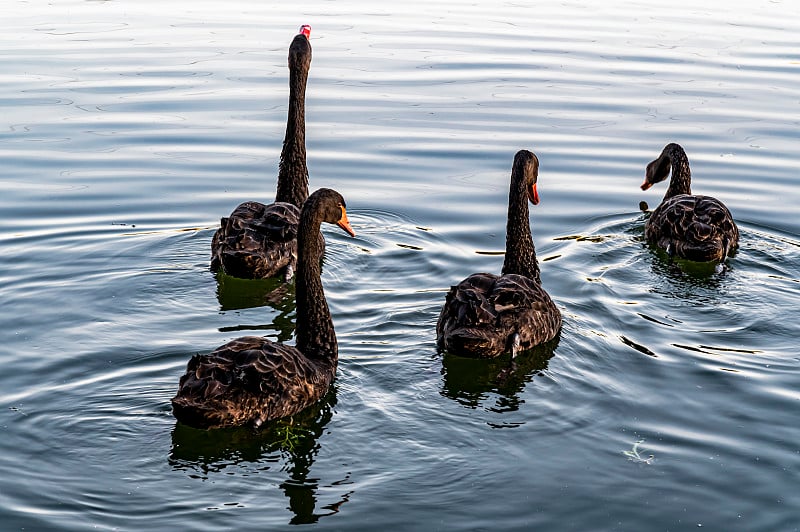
670, 400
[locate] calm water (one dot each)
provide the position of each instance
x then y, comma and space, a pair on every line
670, 400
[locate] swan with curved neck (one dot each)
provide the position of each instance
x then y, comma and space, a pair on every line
251, 379
486, 315
693, 227
258, 241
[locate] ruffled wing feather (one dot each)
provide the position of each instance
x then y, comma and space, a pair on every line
483, 312
248, 381
698, 228
256, 241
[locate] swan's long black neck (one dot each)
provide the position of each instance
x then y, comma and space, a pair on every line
681, 180
520, 252
315, 335
292, 171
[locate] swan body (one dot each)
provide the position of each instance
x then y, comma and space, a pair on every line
486, 315
693, 227
259, 241
252, 379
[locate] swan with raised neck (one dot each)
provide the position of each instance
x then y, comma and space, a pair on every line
252, 379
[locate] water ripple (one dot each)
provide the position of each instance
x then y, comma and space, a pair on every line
132, 127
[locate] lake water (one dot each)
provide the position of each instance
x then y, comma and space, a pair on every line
670, 400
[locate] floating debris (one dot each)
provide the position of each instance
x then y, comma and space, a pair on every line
634, 456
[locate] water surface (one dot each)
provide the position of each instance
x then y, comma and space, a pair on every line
669, 400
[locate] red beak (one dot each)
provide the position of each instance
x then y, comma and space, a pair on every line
305, 29
533, 195
647, 184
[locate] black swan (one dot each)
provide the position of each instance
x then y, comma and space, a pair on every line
258, 241
485, 315
251, 380
698, 228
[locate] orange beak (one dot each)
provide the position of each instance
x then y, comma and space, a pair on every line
344, 223
533, 195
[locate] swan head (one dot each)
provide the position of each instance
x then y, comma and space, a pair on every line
332, 207
672, 159
300, 49
657, 171
526, 166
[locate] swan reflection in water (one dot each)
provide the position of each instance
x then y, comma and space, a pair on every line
237, 294
292, 444
470, 381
